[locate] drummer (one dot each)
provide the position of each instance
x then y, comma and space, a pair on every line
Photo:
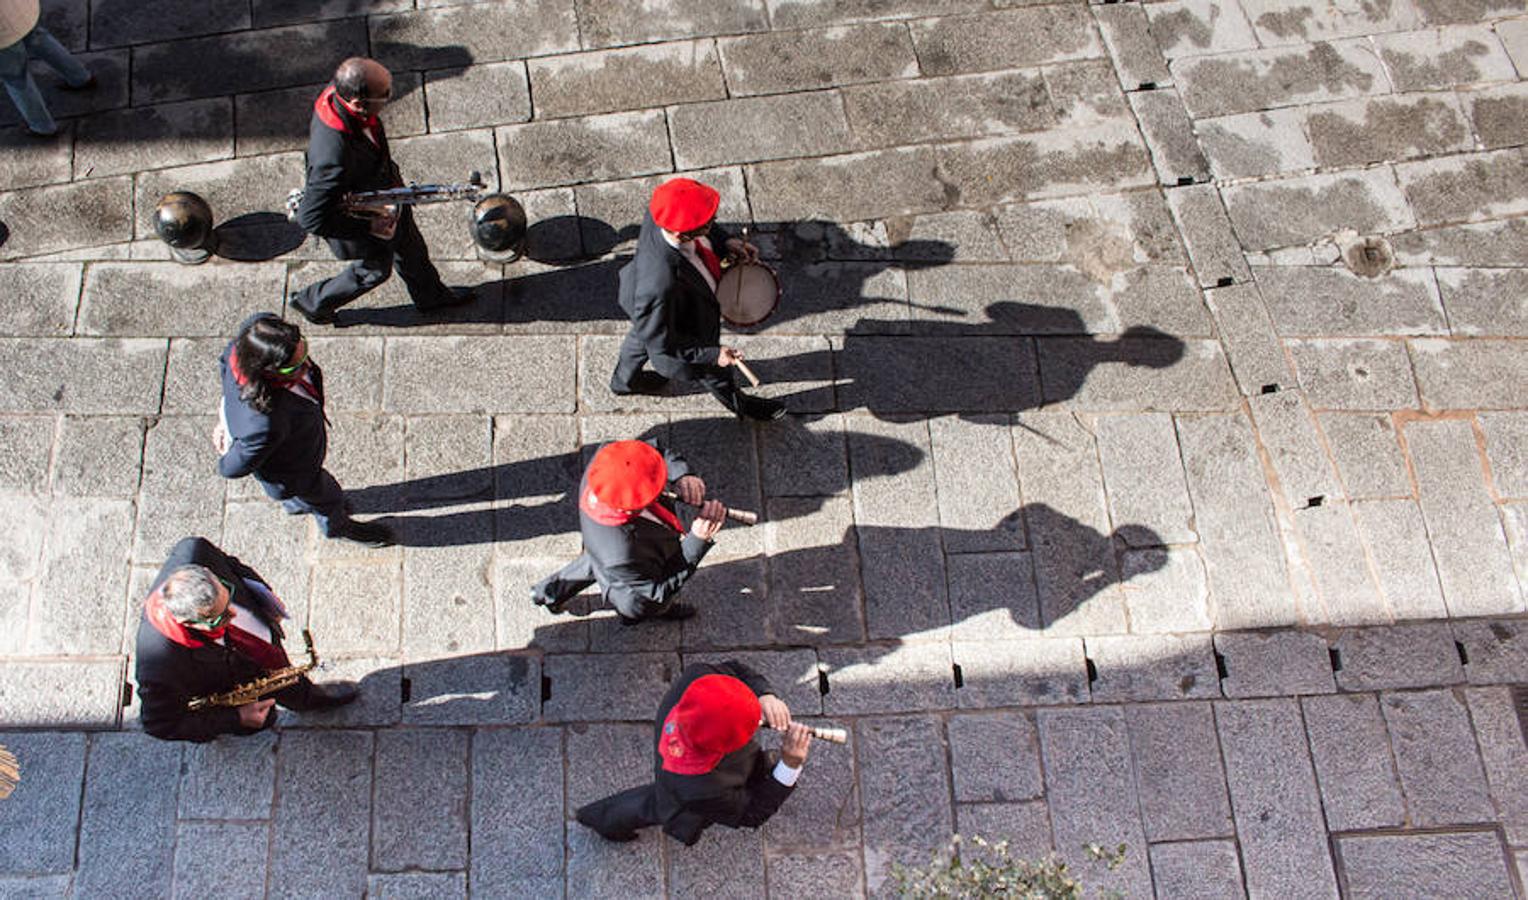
669, 292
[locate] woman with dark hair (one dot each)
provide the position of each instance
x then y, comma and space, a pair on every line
272, 425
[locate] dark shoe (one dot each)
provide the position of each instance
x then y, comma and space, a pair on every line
314, 317
649, 383
586, 820
42, 135
760, 409
368, 534
456, 296
678, 612
335, 693
552, 606
89, 85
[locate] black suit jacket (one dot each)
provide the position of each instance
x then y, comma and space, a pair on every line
741, 792
339, 163
170, 675
672, 309
641, 565
286, 446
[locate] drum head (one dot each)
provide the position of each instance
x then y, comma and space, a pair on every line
748, 294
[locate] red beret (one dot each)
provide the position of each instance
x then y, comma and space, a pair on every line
716, 715
683, 204
627, 475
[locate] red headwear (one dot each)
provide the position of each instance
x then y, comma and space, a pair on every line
716, 715
683, 204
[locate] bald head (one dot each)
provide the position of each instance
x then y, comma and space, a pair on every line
359, 78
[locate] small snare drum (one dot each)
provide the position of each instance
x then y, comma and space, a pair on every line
748, 293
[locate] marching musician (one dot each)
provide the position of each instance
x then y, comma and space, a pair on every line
668, 291
347, 152
211, 624
272, 426
709, 769
635, 547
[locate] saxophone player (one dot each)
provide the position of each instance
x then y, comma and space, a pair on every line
347, 152
210, 624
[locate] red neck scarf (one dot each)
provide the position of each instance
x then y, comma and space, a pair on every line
301, 377
331, 113
708, 256
263, 654
609, 515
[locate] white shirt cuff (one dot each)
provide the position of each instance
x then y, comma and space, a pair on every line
785, 774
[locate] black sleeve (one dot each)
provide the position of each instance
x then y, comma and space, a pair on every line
649, 322
321, 212
677, 466
746, 674
660, 587
163, 714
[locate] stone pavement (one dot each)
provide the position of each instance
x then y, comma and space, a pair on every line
1155, 472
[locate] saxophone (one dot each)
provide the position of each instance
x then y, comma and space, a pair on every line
269, 683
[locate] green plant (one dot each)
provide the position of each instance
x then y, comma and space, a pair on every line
977, 868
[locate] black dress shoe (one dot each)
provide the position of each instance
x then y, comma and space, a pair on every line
678, 612
587, 821
760, 409
649, 383
335, 693
90, 84
368, 534
552, 606
314, 316
456, 296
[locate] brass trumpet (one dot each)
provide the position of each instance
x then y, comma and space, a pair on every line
269, 683
740, 516
376, 204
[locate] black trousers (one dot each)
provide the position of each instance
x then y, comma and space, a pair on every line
633, 357
407, 252
324, 499
562, 585
621, 814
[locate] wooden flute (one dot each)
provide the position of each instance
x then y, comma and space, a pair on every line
831, 735
740, 516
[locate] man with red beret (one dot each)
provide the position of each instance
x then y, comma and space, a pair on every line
709, 769
669, 292
635, 547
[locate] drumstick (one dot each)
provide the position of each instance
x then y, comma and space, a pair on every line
740, 516
747, 372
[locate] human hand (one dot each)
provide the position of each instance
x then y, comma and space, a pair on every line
220, 438
691, 490
254, 713
776, 714
384, 226
709, 522
798, 740
728, 356
741, 249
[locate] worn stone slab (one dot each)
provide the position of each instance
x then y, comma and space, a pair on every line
601, 760
634, 78
24, 469
1485, 302
1358, 132
158, 20
1025, 826
127, 827
1423, 864
481, 689
1067, 519
1466, 374
32, 160
80, 594
599, 868
995, 758
1474, 564
977, 488
41, 814
1515, 522
1086, 92
1350, 748
1366, 449
1133, 43
1466, 187
903, 581
727, 863
992, 596
67, 216
229, 778
321, 824
283, 12
1238, 536
455, 36
1179, 779
847, 188
1170, 136
902, 112
1029, 299
237, 870
1144, 478
1163, 298
1497, 649
507, 374
418, 886
1165, 590
1257, 358
1514, 36
798, 14
232, 187
1354, 373
1397, 656
1273, 795
419, 819
941, 237
1287, 430
592, 148
1296, 211
1444, 57
98, 456
1030, 672
893, 471
758, 128
277, 120
1251, 80
472, 97
81, 693
828, 875
608, 23
148, 299
514, 807
1206, 230
1436, 757
1497, 114
1142, 369
904, 793
1274, 663
192, 375
777, 62
1500, 243
1090, 787
581, 686
1504, 754
448, 595
1152, 667
1198, 27
1396, 538
117, 142
536, 472
878, 374
1081, 160
39, 298
1202, 870
881, 679
1249, 145
1000, 40
244, 60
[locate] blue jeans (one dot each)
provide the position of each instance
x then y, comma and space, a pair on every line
38, 44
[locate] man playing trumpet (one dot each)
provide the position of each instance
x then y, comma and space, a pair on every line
709, 769
347, 153
635, 547
211, 624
